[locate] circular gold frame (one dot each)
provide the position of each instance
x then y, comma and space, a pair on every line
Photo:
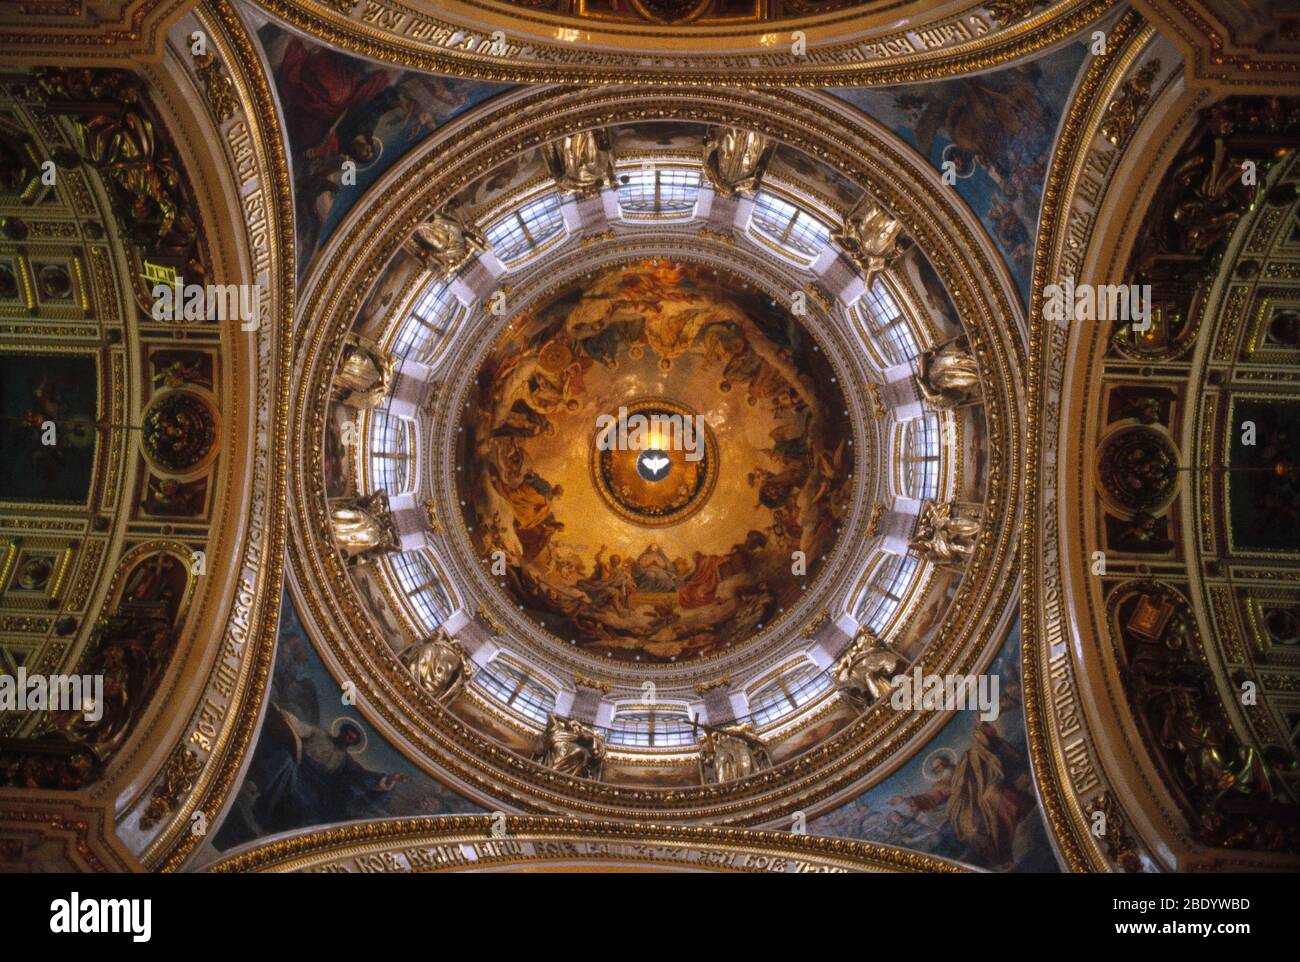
703, 488
901, 41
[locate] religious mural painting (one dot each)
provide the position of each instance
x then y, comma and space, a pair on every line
968, 795
49, 428
317, 762
678, 570
993, 134
348, 120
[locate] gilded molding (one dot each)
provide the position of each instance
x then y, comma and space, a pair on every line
965, 42
487, 842
224, 752
1079, 128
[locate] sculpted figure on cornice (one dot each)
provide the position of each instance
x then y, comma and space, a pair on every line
1008, 12
949, 375
735, 159
727, 754
130, 647
1123, 112
571, 748
362, 527
870, 238
365, 374
582, 164
866, 670
439, 665
444, 244
944, 535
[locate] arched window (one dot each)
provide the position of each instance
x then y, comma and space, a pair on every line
885, 325
919, 457
885, 593
514, 688
431, 322
790, 691
390, 452
658, 192
652, 727
789, 226
526, 229
420, 584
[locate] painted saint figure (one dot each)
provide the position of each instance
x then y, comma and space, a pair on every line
311, 776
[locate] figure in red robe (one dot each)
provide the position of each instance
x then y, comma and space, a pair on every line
701, 588
317, 87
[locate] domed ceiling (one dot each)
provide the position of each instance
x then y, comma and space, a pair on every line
660, 455
662, 432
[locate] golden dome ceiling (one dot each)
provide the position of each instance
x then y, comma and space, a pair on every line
621, 404
734, 477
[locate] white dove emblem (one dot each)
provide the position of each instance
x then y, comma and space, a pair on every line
655, 464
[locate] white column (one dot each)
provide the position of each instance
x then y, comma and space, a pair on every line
743, 211
399, 407
840, 278
484, 653
897, 524
455, 621
476, 282
411, 522
609, 201
572, 216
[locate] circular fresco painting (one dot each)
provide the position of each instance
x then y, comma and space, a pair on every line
655, 462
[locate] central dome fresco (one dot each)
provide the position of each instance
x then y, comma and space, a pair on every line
654, 461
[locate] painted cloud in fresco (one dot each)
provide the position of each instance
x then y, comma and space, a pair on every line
640, 570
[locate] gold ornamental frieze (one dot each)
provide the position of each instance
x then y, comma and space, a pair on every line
1061, 746
492, 41
501, 843
201, 738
